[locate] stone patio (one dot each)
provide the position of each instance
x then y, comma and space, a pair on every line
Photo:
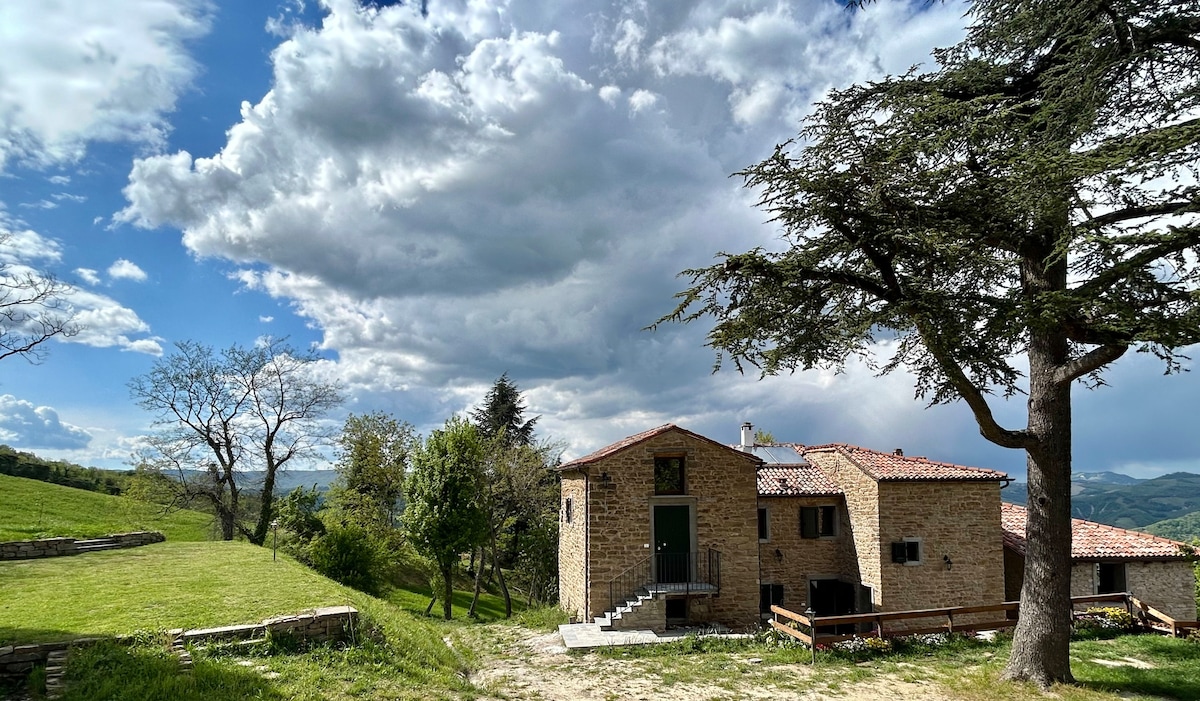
585, 636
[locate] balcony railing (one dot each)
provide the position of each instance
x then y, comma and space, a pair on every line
689, 573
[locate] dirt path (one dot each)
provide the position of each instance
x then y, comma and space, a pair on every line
521, 664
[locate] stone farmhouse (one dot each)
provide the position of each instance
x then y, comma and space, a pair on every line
668, 527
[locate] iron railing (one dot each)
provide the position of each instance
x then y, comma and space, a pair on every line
676, 573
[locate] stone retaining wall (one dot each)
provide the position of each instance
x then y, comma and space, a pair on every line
57, 547
330, 624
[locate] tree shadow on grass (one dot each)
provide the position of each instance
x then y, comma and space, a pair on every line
148, 673
1176, 671
490, 607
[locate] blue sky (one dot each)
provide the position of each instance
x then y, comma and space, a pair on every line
433, 200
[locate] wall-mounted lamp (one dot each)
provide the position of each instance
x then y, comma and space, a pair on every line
778, 554
606, 478
949, 563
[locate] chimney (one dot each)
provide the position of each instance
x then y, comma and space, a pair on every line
747, 437
898, 451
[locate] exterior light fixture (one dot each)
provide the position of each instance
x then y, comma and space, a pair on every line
949, 563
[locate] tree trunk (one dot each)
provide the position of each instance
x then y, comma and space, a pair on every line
500, 577
447, 590
266, 508
1041, 641
478, 582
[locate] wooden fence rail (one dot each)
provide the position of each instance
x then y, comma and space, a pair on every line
1148, 616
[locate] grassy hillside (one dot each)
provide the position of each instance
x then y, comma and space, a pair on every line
1134, 505
1138, 505
32, 509
1185, 528
201, 584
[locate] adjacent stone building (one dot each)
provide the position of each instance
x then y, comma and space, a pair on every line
667, 526
1106, 559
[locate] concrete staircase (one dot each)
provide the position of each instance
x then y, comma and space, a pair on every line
647, 610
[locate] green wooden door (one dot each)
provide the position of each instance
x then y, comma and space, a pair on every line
673, 542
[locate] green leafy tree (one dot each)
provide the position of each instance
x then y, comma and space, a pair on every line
227, 418
503, 414
374, 452
443, 516
1033, 199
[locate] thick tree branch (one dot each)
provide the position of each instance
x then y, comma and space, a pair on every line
1089, 362
989, 428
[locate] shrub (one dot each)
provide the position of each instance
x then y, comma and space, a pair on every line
1107, 618
348, 554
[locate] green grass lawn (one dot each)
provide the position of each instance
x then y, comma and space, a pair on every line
30, 509
156, 587
200, 584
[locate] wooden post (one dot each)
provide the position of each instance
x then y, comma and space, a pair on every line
812, 629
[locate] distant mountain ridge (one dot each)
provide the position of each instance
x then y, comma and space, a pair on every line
284, 481
1124, 501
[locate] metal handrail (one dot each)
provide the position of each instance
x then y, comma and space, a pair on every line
681, 569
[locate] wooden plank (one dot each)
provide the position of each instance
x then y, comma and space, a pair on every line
791, 631
1095, 598
790, 614
1007, 606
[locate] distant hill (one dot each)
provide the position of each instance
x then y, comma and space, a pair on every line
1088, 478
1184, 528
18, 463
1114, 499
33, 509
285, 481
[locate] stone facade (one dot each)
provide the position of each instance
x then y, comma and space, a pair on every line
861, 549
1168, 586
572, 545
614, 498
787, 559
955, 520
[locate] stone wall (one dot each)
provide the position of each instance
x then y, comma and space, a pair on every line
328, 624
787, 559
1169, 586
861, 554
572, 545
959, 520
722, 494
58, 547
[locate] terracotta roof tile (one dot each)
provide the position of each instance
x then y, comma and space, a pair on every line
636, 438
888, 467
795, 480
1094, 541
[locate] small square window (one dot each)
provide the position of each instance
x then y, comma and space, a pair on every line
818, 521
764, 525
907, 552
668, 475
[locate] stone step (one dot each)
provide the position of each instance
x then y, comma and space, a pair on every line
96, 548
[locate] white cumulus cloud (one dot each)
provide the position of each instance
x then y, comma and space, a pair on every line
24, 425
74, 72
123, 269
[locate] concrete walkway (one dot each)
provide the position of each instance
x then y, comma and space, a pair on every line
584, 636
